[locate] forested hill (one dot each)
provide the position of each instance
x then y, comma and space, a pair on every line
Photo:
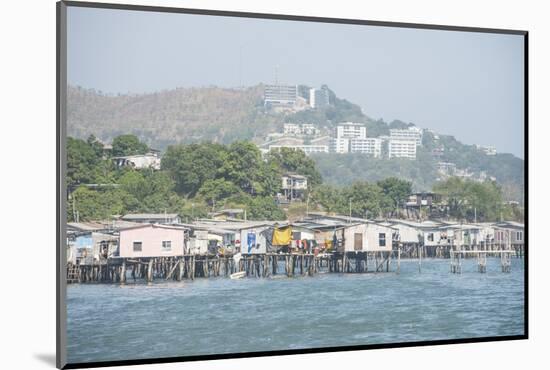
188, 115
171, 116
221, 115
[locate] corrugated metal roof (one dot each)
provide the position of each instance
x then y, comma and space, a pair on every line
150, 216
156, 226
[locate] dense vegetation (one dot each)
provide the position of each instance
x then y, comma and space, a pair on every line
193, 179
175, 121
467, 200
171, 117
197, 178
345, 169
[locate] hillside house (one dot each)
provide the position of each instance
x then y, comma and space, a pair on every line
422, 199
293, 186
139, 161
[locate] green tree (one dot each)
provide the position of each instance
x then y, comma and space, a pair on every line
215, 190
396, 190
96, 145
455, 195
367, 200
193, 209
296, 161
86, 204
192, 165
243, 165
134, 183
124, 145
82, 160
268, 180
264, 208
329, 197
469, 200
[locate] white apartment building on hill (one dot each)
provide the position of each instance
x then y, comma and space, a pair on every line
402, 148
300, 129
350, 130
291, 129
280, 95
488, 150
318, 98
410, 133
307, 149
339, 145
369, 145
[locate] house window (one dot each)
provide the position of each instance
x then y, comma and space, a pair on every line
382, 239
138, 246
431, 237
166, 245
519, 236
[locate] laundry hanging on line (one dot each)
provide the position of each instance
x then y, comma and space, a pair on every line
282, 236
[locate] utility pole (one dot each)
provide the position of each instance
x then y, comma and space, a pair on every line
350, 210
74, 206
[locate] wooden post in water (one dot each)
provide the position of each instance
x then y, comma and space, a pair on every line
180, 270
398, 259
123, 272
150, 271
419, 258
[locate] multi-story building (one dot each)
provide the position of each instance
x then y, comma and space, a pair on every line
402, 148
293, 186
488, 150
410, 133
339, 145
291, 129
350, 130
309, 129
446, 168
300, 129
307, 149
369, 145
139, 161
318, 98
280, 95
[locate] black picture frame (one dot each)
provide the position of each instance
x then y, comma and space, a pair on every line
61, 126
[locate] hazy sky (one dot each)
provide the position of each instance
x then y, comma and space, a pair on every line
469, 85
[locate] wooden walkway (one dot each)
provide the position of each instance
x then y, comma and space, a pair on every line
121, 270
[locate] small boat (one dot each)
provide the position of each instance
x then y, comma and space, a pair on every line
238, 275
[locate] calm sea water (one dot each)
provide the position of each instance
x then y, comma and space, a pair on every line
208, 316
